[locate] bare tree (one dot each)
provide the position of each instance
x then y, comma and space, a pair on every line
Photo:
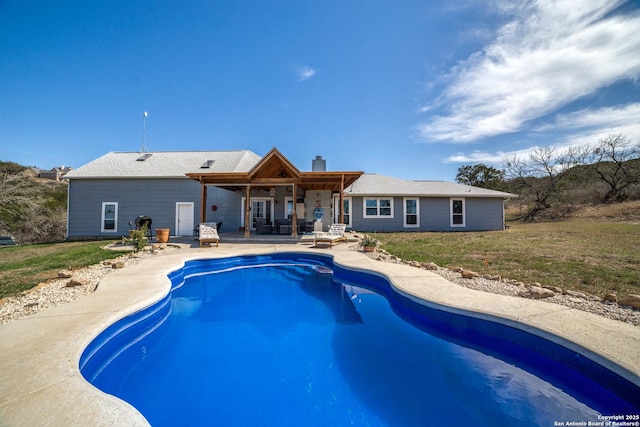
540, 175
616, 161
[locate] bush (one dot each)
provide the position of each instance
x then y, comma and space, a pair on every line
139, 238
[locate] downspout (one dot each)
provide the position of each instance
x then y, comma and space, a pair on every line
68, 209
504, 220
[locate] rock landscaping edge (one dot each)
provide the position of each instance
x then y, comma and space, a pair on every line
625, 310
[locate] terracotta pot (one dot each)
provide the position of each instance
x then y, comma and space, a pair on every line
369, 248
162, 235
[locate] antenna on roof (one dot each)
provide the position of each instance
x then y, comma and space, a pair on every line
144, 132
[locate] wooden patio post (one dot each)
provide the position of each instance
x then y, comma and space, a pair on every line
341, 201
203, 203
294, 216
247, 216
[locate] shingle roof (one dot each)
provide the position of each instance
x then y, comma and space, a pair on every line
164, 164
371, 184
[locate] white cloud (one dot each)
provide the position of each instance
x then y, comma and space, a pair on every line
476, 157
550, 54
586, 127
305, 73
495, 158
620, 115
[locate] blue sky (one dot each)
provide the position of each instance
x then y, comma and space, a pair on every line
412, 89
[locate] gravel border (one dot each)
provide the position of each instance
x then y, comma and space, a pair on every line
74, 285
503, 286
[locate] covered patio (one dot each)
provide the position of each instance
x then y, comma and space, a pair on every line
266, 184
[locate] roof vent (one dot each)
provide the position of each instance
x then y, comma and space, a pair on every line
207, 164
144, 157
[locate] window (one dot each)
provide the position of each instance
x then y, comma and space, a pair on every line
457, 213
411, 213
109, 217
374, 208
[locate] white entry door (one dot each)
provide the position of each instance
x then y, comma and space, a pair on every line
184, 219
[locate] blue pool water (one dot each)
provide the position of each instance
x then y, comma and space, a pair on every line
292, 340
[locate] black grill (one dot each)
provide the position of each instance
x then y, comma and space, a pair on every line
141, 221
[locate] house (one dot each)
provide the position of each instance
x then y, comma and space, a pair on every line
55, 173
31, 172
385, 204
178, 190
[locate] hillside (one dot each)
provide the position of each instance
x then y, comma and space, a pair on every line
32, 210
627, 212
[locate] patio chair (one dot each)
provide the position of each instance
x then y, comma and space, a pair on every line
334, 235
263, 227
208, 233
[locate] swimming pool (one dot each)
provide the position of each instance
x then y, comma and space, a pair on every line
291, 339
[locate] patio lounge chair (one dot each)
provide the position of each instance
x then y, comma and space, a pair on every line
208, 233
334, 235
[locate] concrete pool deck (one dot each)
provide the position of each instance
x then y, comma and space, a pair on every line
40, 382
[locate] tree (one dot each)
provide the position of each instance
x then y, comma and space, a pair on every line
541, 174
481, 175
11, 168
616, 162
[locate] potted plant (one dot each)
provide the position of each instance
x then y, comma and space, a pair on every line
369, 243
162, 235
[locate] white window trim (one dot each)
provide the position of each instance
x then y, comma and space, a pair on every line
464, 212
102, 218
404, 212
336, 210
364, 207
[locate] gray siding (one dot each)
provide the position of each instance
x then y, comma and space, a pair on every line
481, 214
485, 214
156, 198
434, 214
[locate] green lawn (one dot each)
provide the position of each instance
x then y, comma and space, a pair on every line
23, 267
578, 254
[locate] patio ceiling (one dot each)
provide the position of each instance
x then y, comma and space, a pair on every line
275, 170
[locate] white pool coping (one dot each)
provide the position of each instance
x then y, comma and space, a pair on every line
40, 382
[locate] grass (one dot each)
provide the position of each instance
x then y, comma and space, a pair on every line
582, 254
23, 267
578, 254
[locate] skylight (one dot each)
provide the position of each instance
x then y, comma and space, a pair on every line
144, 157
207, 164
